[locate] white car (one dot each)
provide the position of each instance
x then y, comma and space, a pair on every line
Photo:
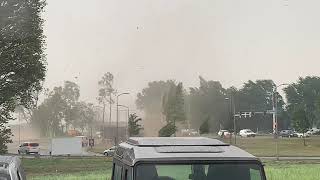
247, 133
189, 133
110, 152
313, 131
28, 148
301, 135
223, 133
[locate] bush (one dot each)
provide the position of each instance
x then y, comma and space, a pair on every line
168, 130
204, 128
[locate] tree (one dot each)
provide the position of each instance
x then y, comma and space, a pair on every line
204, 128
22, 59
173, 105
208, 100
168, 130
49, 115
105, 94
134, 127
85, 115
70, 94
305, 93
257, 97
149, 100
301, 122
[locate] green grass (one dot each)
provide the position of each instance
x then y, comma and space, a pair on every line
100, 169
71, 167
292, 170
266, 146
94, 175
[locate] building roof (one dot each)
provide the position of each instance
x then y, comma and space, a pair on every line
178, 148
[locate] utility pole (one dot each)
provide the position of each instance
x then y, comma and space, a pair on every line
19, 128
103, 125
275, 116
110, 109
128, 111
117, 135
234, 120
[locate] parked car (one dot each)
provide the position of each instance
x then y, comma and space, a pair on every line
110, 151
287, 133
28, 148
11, 168
224, 133
301, 135
313, 131
247, 133
195, 158
189, 132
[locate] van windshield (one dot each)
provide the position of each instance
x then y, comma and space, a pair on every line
225, 171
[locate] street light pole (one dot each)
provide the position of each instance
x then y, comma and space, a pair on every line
117, 137
128, 110
275, 116
233, 112
234, 119
103, 125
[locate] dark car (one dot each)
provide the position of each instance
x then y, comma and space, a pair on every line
194, 158
288, 133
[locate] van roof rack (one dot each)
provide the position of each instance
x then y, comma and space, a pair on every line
174, 141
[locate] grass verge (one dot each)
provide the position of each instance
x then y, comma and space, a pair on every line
100, 169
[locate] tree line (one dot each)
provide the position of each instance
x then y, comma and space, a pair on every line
22, 59
61, 110
211, 106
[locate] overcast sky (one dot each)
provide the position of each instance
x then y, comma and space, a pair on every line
144, 40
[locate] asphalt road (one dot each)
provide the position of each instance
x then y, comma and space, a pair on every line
44, 144
44, 148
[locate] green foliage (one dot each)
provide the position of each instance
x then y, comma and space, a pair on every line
70, 95
173, 104
300, 120
106, 88
168, 130
204, 128
48, 116
62, 105
148, 100
257, 96
134, 127
208, 100
85, 115
22, 59
305, 93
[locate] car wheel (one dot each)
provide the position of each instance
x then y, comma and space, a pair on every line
19, 152
106, 154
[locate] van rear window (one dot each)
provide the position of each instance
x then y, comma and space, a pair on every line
33, 144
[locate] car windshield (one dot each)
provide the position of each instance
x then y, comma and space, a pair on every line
210, 171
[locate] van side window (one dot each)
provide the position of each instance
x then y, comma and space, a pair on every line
117, 173
128, 175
